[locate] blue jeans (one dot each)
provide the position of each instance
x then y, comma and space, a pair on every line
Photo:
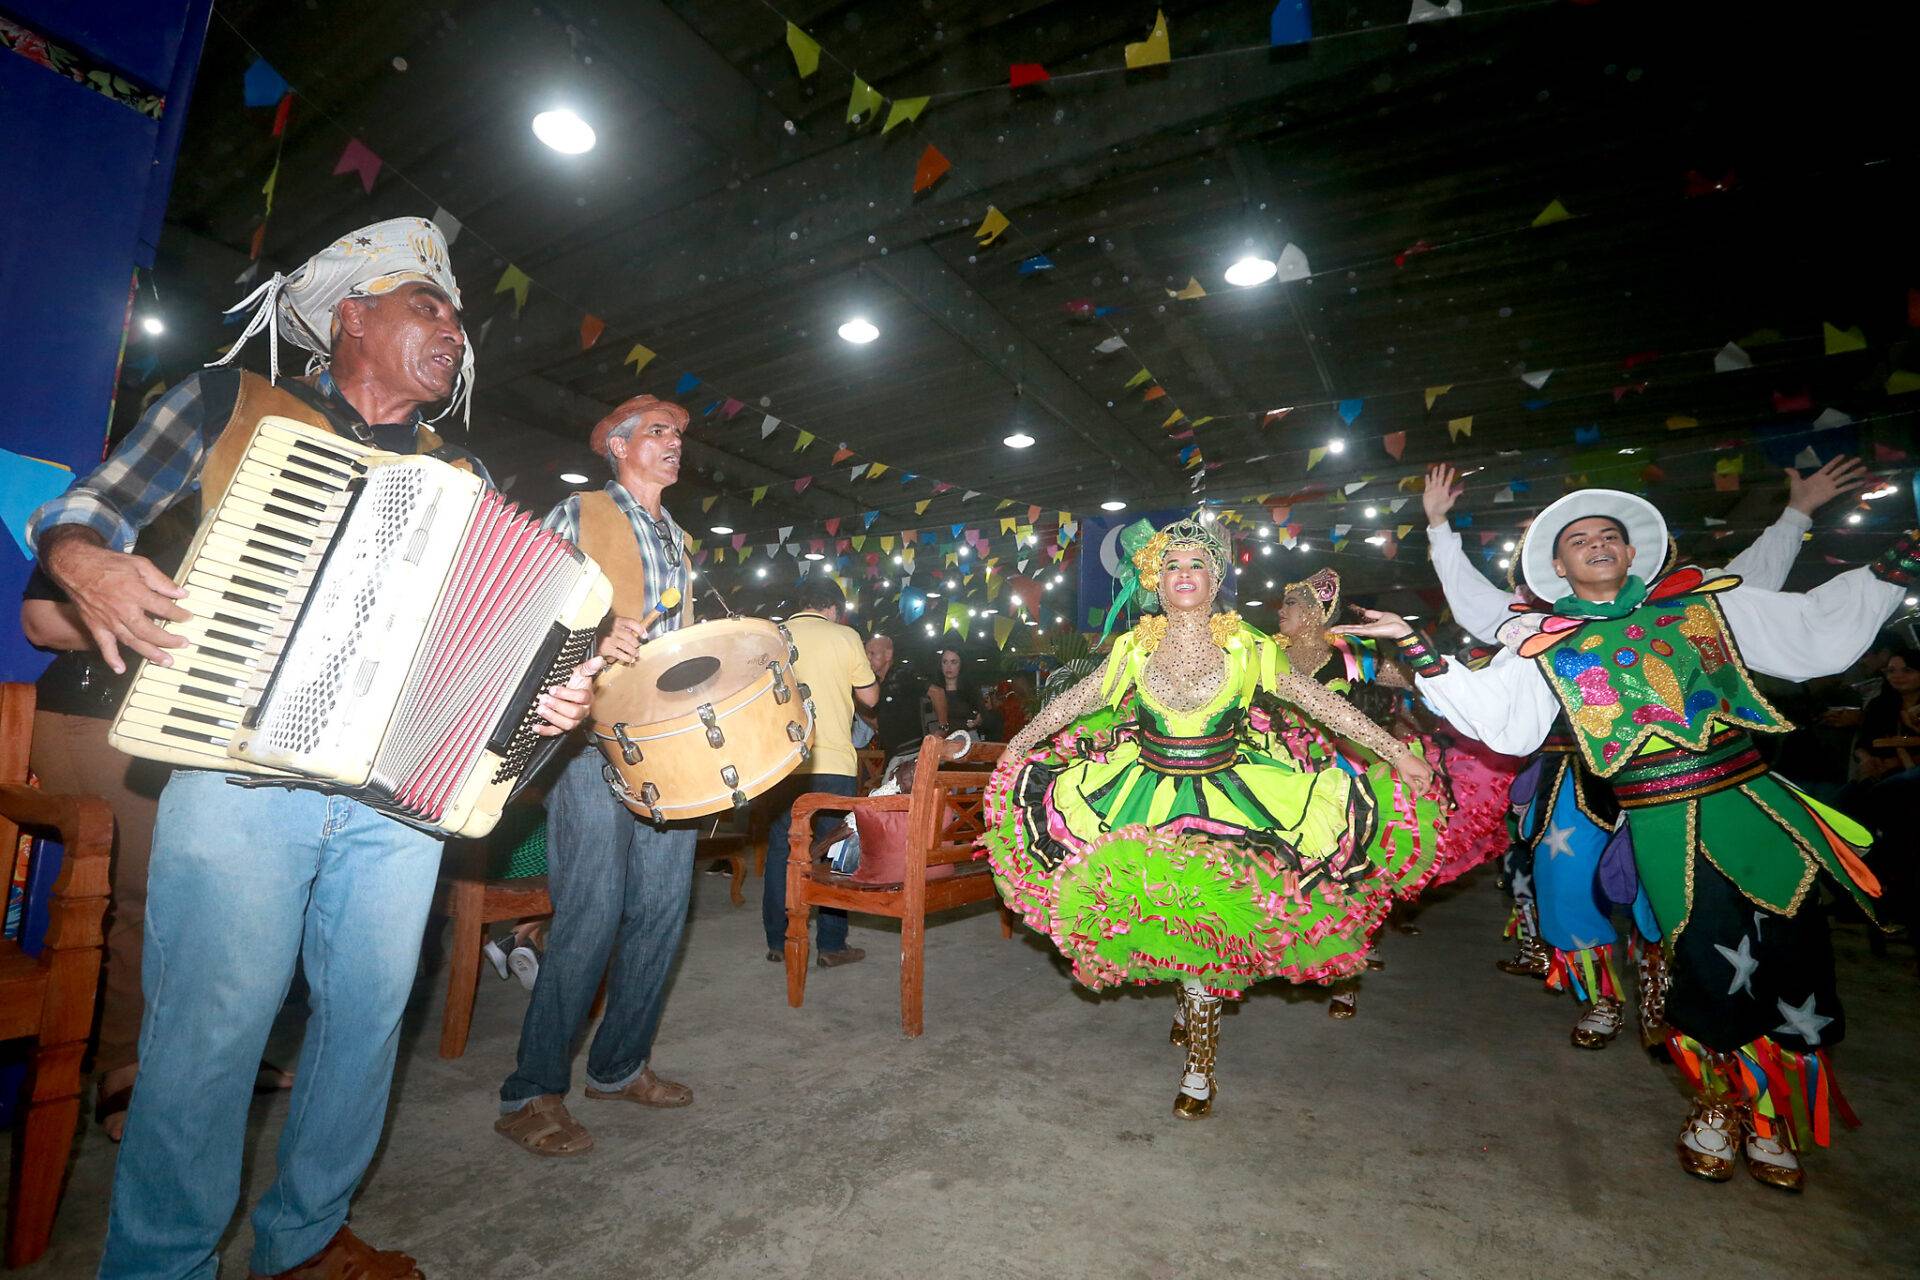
773, 895
620, 890
243, 884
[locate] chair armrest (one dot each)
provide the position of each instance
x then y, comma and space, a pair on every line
79, 894
800, 834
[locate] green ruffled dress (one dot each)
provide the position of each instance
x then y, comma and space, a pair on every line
1155, 845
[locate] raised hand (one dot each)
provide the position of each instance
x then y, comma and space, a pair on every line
1379, 624
1442, 491
118, 596
1807, 494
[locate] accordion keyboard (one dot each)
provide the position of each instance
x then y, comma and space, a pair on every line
247, 574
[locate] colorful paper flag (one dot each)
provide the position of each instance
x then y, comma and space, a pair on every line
1395, 443
1457, 427
1155, 49
1838, 341
357, 158
640, 356
513, 280
262, 86
903, 111
806, 51
991, 227
1290, 23
863, 101
591, 327
1554, 212
929, 170
1021, 74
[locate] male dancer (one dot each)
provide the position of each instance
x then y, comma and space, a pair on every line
1568, 816
245, 881
620, 883
1653, 681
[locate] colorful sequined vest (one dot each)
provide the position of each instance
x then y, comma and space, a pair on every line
1661, 672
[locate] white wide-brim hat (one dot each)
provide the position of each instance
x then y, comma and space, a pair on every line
1646, 532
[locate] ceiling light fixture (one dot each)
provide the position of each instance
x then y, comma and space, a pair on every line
572, 477
1336, 445
564, 131
1251, 270
1018, 440
859, 331
1879, 491
761, 572
1113, 504
1506, 546
1254, 604
933, 595
1853, 517
722, 529
152, 326
815, 555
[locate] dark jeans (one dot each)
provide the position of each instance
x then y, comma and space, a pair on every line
620, 888
773, 898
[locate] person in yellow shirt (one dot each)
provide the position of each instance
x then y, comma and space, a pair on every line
833, 664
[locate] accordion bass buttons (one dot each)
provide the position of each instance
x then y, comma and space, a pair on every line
629, 749
715, 738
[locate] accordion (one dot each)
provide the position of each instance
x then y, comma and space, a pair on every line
366, 623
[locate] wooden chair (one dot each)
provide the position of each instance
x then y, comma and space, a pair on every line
49, 997
945, 818
471, 901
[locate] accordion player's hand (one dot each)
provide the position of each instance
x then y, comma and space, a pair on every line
121, 598
564, 707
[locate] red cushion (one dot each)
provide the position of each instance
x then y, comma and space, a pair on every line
883, 848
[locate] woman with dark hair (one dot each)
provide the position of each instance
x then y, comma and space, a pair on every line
951, 701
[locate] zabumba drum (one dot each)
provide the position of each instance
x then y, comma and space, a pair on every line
706, 718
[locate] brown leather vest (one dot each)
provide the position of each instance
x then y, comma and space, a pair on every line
258, 399
607, 535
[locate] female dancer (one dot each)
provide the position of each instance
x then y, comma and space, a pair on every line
1351, 669
1150, 822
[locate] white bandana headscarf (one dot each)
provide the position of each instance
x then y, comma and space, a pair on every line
361, 264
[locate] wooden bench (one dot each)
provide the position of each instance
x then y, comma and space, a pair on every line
944, 821
471, 901
48, 998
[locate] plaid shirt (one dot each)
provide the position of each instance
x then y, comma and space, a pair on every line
159, 462
663, 552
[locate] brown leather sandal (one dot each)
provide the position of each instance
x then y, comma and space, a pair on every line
546, 1128
649, 1090
348, 1257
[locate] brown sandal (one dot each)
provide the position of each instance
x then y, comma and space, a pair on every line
546, 1128
649, 1090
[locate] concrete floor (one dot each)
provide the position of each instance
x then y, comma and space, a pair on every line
1448, 1131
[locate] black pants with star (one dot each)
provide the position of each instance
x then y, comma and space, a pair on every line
1741, 972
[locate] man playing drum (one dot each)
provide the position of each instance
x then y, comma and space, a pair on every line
619, 883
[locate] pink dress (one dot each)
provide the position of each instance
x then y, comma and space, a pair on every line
1478, 778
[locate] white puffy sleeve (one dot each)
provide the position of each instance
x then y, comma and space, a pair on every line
1766, 562
1801, 635
1506, 704
1478, 605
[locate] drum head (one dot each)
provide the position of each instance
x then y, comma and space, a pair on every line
683, 669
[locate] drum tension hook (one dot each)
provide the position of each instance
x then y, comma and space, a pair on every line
781, 694
629, 749
650, 797
715, 738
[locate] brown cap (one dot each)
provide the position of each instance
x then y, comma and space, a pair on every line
639, 407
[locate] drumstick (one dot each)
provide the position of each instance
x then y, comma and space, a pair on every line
669, 601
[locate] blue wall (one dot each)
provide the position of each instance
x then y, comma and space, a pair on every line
80, 211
